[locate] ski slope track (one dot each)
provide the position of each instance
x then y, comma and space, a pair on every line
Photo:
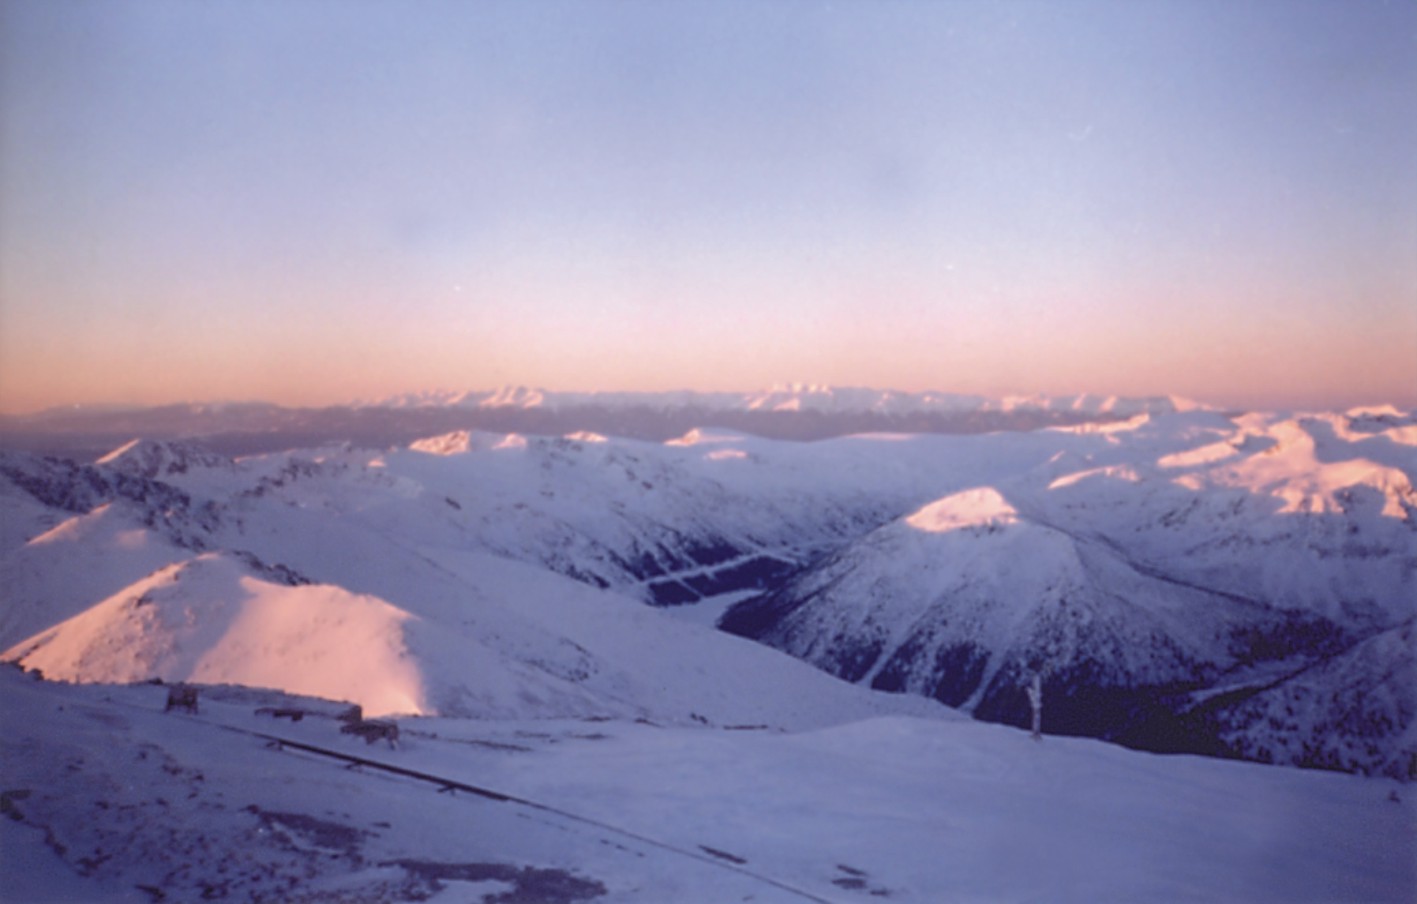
1183, 581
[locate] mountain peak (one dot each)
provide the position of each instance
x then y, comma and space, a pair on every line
979, 507
155, 459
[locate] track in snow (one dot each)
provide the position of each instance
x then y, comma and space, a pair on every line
720, 859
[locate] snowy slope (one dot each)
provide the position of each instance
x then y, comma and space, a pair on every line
1352, 711
160, 460
82, 533
1189, 553
25, 516
1252, 510
110, 800
1150, 564
60, 572
965, 598
518, 641
669, 523
211, 620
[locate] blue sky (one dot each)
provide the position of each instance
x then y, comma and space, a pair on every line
310, 202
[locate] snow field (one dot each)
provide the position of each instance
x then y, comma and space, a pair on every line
454, 579
894, 808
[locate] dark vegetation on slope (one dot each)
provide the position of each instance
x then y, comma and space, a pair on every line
1211, 711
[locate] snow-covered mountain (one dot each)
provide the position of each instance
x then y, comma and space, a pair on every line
790, 397
329, 573
537, 612
155, 460
528, 645
1187, 580
793, 411
1171, 600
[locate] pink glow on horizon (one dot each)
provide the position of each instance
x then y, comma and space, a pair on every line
964, 197
1317, 371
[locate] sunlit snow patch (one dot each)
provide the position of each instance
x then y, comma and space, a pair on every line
1288, 462
698, 436
726, 455
1114, 472
979, 507
210, 620
455, 443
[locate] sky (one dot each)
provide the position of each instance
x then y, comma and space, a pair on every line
312, 202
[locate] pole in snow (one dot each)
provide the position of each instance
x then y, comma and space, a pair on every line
1035, 700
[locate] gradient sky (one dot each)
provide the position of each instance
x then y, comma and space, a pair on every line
311, 202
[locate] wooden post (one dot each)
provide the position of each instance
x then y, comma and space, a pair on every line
1035, 700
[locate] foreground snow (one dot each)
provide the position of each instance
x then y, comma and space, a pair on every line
99, 781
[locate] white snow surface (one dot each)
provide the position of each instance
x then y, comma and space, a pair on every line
109, 799
461, 533
1149, 554
209, 620
982, 507
489, 590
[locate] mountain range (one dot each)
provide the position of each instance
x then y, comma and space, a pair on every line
1183, 580
793, 411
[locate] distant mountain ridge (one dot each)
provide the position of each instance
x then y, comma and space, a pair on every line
793, 397
802, 412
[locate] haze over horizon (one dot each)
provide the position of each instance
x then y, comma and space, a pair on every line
309, 203
779, 399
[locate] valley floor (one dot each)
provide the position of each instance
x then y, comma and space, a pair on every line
110, 799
